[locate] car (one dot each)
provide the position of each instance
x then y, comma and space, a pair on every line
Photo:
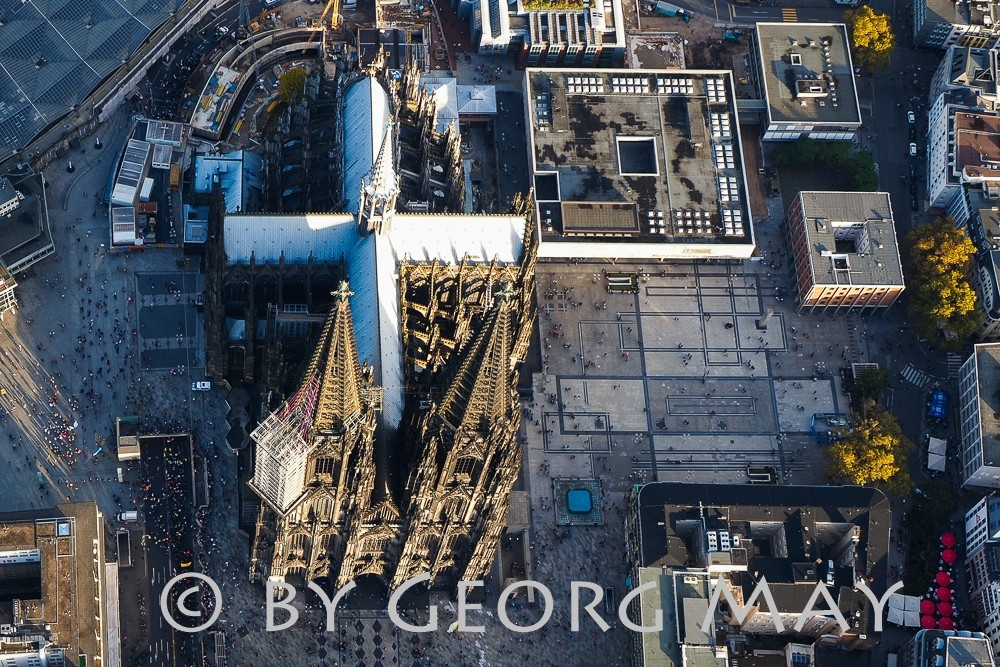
913, 204
201, 386
223, 31
913, 149
912, 117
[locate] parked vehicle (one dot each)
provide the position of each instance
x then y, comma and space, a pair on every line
201, 386
913, 149
668, 9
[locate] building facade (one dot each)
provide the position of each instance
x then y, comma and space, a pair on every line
587, 35
963, 151
943, 23
982, 565
979, 424
984, 230
845, 252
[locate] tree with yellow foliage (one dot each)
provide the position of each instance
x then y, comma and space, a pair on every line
937, 261
871, 35
875, 454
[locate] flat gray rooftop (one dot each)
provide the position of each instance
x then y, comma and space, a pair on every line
851, 237
627, 155
807, 71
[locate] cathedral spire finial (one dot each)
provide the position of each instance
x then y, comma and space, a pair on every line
506, 292
343, 293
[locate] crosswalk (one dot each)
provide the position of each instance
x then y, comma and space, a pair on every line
955, 362
789, 14
915, 376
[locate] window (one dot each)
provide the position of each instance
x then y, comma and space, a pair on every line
324, 466
465, 466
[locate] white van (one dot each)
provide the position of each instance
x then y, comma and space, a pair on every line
131, 515
201, 386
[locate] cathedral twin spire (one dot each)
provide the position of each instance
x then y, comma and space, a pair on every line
339, 398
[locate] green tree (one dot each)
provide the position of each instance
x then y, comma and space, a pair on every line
875, 454
864, 176
937, 261
871, 36
291, 85
870, 384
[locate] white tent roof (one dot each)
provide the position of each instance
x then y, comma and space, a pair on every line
895, 616
936, 452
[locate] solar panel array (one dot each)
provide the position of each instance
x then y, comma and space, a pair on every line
53, 53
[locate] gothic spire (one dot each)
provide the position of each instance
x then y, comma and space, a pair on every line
480, 392
336, 361
382, 179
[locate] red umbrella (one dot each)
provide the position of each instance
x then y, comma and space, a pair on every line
927, 607
946, 623
927, 622
949, 540
943, 594
944, 608
943, 578
949, 556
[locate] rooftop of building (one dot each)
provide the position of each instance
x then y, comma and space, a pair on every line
25, 236
53, 576
977, 144
851, 238
960, 13
808, 73
949, 648
973, 68
694, 525
625, 156
988, 376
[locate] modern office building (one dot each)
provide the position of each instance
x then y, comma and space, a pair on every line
544, 34
637, 164
805, 78
943, 23
979, 416
845, 252
967, 69
963, 152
